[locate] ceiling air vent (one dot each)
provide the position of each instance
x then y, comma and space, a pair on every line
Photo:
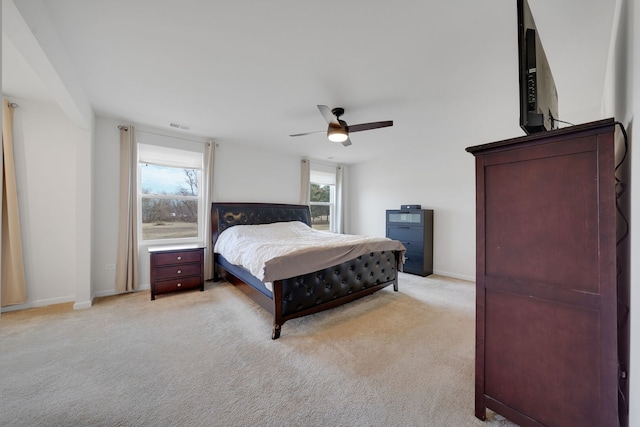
178, 126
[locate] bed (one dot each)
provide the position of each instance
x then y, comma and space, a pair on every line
289, 291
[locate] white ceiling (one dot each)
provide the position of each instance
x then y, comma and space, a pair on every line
252, 72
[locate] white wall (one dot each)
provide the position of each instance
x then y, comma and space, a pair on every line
241, 173
106, 170
620, 100
247, 174
441, 174
46, 145
84, 289
442, 178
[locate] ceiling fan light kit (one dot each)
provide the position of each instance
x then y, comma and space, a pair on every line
337, 133
338, 130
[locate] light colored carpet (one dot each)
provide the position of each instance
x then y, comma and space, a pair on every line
207, 359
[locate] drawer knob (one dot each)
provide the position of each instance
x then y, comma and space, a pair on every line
179, 271
179, 258
179, 284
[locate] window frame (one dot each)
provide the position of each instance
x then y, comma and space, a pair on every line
199, 198
320, 171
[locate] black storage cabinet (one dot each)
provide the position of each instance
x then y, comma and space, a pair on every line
414, 228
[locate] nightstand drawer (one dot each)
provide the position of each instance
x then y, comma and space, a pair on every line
174, 285
181, 270
177, 257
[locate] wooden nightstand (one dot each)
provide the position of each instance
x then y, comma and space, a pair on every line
176, 268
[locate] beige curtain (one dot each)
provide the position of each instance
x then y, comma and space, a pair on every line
127, 268
305, 178
340, 199
209, 158
13, 282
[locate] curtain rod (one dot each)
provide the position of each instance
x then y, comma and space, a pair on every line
13, 105
173, 136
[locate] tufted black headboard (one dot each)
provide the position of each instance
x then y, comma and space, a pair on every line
228, 214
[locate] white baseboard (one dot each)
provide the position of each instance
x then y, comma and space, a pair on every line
78, 305
454, 275
111, 292
38, 303
83, 305
108, 293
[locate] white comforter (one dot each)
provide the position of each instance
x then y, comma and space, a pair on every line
288, 249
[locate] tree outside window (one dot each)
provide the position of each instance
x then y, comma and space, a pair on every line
322, 204
169, 202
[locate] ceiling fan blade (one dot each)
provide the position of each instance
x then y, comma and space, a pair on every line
368, 126
346, 142
308, 133
326, 113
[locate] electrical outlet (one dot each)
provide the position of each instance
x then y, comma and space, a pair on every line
110, 267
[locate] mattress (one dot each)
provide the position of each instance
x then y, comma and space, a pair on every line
287, 249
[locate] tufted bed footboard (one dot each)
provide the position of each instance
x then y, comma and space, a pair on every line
308, 293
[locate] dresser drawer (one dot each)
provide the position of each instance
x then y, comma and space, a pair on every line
406, 217
413, 246
406, 233
413, 264
180, 270
174, 285
168, 258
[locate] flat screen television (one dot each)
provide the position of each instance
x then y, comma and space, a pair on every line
538, 95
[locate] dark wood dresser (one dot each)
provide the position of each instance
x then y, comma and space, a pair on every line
547, 301
414, 228
176, 268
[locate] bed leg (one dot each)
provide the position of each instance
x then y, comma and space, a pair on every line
276, 331
395, 282
216, 274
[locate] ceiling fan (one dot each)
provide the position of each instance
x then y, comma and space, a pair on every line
338, 130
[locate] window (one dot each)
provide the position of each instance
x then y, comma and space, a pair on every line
322, 198
170, 202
